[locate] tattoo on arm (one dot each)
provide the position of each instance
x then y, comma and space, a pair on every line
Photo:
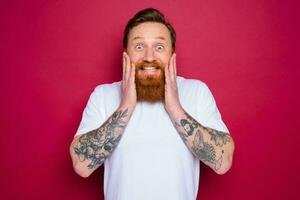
97, 144
204, 150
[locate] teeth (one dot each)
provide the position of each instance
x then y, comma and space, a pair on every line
149, 68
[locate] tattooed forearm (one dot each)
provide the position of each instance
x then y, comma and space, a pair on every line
220, 138
205, 151
97, 144
206, 143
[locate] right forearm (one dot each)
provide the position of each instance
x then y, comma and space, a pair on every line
91, 149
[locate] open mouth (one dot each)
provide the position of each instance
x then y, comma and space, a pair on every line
150, 69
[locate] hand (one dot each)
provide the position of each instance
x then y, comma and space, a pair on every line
172, 103
128, 91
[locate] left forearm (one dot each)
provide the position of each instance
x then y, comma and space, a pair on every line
214, 148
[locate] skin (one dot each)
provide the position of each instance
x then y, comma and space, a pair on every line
151, 41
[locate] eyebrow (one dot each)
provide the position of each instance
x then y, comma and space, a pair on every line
159, 37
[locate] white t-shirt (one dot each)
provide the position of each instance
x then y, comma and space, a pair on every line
151, 161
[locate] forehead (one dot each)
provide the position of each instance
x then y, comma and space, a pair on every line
150, 30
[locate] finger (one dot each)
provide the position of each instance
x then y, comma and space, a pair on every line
124, 66
132, 73
171, 68
167, 73
175, 66
127, 68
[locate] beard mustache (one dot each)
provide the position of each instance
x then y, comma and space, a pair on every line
150, 88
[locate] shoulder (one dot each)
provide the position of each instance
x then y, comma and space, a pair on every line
106, 95
192, 84
107, 88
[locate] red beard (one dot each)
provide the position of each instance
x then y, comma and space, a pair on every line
150, 88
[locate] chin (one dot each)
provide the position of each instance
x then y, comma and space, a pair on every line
150, 87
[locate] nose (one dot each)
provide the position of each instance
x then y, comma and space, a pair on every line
149, 55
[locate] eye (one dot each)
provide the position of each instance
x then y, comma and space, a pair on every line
139, 47
159, 47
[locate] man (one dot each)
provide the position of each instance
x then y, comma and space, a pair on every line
151, 129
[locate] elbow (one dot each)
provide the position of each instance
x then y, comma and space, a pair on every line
224, 168
227, 162
84, 173
78, 167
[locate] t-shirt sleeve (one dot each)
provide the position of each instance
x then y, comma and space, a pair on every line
93, 115
208, 108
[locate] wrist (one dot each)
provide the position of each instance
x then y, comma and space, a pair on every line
124, 106
175, 112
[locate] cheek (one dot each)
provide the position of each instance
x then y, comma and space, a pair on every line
165, 60
134, 58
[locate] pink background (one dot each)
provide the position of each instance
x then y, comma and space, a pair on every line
54, 53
